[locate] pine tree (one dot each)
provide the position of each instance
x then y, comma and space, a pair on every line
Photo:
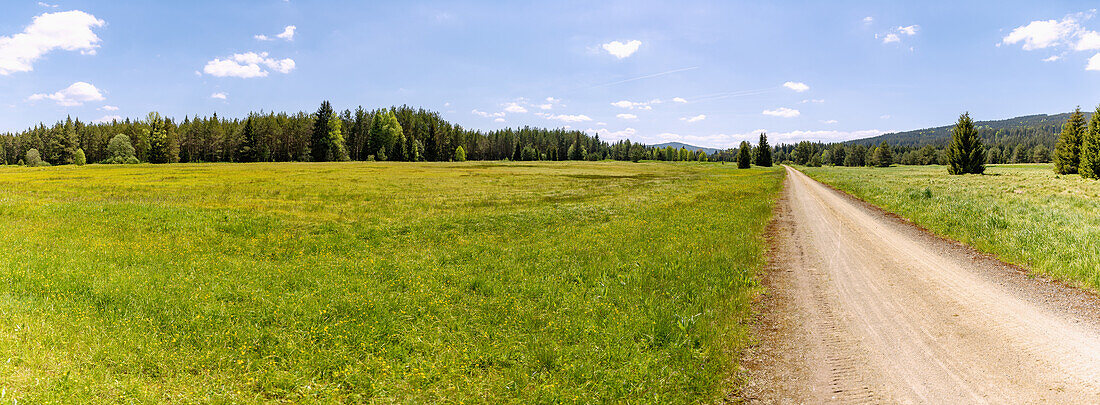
1067, 157
763, 152
965, 154
318, 142
744, 156
882, 157
1090, 149
247, 152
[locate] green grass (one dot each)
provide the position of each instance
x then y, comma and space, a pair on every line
1023, 214
382, 282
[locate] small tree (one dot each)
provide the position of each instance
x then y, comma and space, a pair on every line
460, 154
763, 151
79, 159
882, 157
1090, 149
744, 156
119, 150
33, 158
1067, 158
1040, 154
965, 154
381, 157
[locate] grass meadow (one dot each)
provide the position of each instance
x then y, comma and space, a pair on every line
397, 282
1024, 214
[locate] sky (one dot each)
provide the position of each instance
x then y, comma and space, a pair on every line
707, 73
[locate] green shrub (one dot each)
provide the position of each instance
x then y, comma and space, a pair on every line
33, 158
79, 159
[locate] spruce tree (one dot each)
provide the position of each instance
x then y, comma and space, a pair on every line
318, 142
1067, 158
965, 154
744, 156
763, 151
1090, 149
247, 151
882, 157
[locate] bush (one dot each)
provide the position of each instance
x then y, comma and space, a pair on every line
120, 150
79, 159
33, 158
132, 160
460, 154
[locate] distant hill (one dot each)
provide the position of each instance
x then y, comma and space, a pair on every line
1029, 129
678, 145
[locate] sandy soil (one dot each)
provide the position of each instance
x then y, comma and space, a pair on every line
863, 307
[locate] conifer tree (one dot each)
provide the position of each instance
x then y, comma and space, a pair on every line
965, 154
1090, 149
318, 142
882, 157
744, 156
247, 151
1067, 158
763, 151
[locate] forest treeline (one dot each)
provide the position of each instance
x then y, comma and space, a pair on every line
396, 133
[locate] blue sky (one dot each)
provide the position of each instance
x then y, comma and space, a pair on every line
709, 73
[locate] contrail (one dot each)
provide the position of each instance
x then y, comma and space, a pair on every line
642, 77
717, 96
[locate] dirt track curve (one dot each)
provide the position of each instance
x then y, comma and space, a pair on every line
865, 308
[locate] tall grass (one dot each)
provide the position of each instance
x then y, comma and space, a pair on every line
380, 282
1024, 214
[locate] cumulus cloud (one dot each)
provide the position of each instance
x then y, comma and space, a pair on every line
679, 100
696, 118
287, 34
621, 50
67, 30
613, 135
626, 116
640, 105
565, 117
891, 38
247, 65
499, 120
796, 86
896, 33
1094, 63
487, 115
1052, 58
868, 19
76, 94
108, 108
108, 118
219, 96
1043, 34
550, 102
1090, 40
47, 5
723, 140
910, 30
783, 112
514, 108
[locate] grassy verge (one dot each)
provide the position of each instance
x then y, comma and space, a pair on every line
384, 282
1024, 214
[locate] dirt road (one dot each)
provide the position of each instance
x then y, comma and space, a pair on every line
864, 307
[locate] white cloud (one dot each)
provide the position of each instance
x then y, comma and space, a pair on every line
514, 108
613, 135
499, 120
565, 117
868, 19
885, 116
108, 118
813, 100
550, 102
696, 118
640, 105
76, 94
603, 124
1090, 40
679, 100
891, 38
621, 50
287, 34
67, 30
796, 86
487, 115
910, 30
247, 65
1094, 63
219, 96
626, 116
783, 112
829, 122
47, 5
108, 108
1052, 58
1043, 34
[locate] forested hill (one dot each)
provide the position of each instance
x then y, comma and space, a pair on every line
680, 145
1028, 130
